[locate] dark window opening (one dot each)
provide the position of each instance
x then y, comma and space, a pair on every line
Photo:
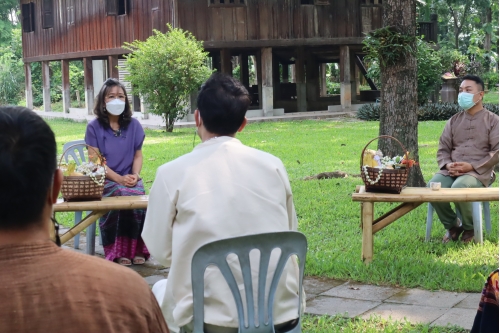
226, 3
116, 7
47, 14
307, 2
28, 17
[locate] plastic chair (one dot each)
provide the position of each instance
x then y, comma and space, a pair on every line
78, 155
477, 217
215, 253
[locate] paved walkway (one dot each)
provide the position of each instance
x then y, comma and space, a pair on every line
350, 299
156, 122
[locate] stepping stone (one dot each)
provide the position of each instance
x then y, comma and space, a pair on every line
362, 292
460, 317
439, 299
322, 305
412, 313
315, 286
470, 302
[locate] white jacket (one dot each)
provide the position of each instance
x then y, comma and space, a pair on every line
221, 189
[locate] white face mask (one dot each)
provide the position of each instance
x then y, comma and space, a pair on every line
115, 107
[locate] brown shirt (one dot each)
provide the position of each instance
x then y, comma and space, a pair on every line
471, 139
44, 288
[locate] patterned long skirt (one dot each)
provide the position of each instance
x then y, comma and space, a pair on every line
121, 229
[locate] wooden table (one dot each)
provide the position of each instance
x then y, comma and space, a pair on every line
96, 209
410, 198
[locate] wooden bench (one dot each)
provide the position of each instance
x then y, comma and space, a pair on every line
97, 209
410, 198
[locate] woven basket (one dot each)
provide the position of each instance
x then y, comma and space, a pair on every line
391, 180
80, 188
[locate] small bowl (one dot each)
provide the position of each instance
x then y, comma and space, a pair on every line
435, 186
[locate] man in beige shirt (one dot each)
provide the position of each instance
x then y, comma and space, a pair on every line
44, 288
467, 153
222, 189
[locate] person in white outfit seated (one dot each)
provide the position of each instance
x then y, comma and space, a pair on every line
221, 189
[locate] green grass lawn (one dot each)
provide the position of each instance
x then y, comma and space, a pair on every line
326, 214
491, 96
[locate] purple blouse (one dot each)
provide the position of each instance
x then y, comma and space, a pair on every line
119, 151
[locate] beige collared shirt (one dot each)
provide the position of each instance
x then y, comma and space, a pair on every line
471, 139
221, 189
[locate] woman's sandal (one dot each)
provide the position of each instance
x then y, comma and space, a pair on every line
138, 260
123, 261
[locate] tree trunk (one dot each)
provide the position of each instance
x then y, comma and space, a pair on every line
398, 112
487, 37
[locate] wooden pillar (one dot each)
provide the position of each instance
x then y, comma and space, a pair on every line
113, 66
354, 77
27, 85
300, 80
244, 72
312, 78
46, 86
285, 73
322, 77
258, 69
358, 79
267, 81
292, 73
65, 85
216, 61
88, 76
225, 62
345, 77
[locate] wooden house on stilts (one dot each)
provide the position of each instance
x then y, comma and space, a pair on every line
289, 44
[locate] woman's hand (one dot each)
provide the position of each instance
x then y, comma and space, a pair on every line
130, 180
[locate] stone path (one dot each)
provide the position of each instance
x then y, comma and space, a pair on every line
351, 299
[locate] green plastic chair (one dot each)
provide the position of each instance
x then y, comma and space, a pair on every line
215, 253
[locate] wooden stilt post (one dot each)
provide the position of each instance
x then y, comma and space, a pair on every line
258, 68
345, 78
244, 72
267, 81
323, 85
46, 86
300, 80
88, 75
113, 66
292, 73
312, 77
225, 59
285, 73
65, 85
27, 84
354, 78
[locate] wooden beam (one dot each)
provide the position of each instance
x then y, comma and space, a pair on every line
282, 42
345, 78
300, 80
113, 66
88, 220
225, 60
88, 77
65, 85
27, 86
78, 55
267, 81
46, 86
393, 215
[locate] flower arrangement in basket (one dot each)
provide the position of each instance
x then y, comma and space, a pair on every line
85, 181
383, 173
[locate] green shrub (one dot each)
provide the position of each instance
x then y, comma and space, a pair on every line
490, 78
430, 111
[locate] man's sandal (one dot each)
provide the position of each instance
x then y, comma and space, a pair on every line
123, 261
138, 260
467, 236
452, 234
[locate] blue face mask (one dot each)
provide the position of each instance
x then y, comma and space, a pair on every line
466, 100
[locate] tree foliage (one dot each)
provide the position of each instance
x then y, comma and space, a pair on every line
165, 69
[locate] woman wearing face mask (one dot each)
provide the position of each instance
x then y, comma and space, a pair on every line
119, 138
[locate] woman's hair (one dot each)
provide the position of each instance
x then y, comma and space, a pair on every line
100, 104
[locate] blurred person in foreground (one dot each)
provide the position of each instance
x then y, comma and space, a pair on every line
486, 320
221, 189
44, 288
